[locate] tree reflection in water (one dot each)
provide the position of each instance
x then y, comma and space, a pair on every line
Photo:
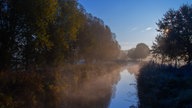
94, 92
98, 88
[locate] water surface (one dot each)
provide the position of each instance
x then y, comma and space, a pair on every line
108, 89
125, 94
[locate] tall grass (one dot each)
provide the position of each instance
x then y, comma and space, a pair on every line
165, 86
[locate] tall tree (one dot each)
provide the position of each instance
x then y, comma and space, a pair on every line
6, 39
175, 38
50, 32
69, 19
95, 41
24, 30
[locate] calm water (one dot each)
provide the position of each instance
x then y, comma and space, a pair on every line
125, 94
115, 89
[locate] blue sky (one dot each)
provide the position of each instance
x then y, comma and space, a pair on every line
133, 21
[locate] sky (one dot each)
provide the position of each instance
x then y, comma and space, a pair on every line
133, 21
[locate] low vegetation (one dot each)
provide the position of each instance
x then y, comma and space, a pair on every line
165, 86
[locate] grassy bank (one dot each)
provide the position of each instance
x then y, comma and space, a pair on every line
163, 86
55, 87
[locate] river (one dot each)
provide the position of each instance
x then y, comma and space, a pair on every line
125, 95
114, 89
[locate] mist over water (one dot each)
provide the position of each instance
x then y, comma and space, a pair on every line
116, 89
94, 92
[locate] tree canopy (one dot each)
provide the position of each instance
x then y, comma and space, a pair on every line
23, 29
174, 41
95, 40
40, 33
141, 51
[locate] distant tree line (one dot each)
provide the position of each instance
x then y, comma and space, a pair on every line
140, 52
39, 33
174, 42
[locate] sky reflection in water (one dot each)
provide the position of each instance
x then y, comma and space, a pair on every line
125, 92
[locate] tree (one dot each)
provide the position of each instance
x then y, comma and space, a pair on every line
6, 39
131, 53
23, 27
63, 32
141, 51
95, 41
175, 35
158, 50
38, 33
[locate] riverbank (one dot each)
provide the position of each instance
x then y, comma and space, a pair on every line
163, 86
58, 87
